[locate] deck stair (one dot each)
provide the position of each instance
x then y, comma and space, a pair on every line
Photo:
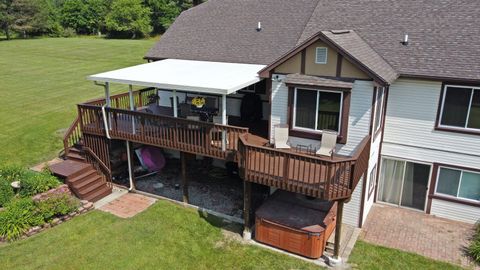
82, 178
75, 154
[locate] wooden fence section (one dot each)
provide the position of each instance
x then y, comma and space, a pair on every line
326, 178
202, 138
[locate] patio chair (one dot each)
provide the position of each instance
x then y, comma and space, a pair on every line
281, 137
328, 143
194, 118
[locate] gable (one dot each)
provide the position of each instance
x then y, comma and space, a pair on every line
335, 66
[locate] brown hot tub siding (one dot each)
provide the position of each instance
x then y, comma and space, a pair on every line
292, 223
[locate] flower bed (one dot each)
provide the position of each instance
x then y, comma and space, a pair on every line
40, 202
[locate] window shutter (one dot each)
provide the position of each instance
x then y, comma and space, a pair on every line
321, 55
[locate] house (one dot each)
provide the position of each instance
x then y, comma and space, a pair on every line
398, 81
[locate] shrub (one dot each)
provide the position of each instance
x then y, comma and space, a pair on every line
19, 216
55, 205
474, 248
12, 173
68, 32
6, 192
34, 183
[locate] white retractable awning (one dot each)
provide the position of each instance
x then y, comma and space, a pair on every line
186, 75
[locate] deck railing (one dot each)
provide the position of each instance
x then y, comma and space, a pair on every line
140, 97
327, 178
196, 137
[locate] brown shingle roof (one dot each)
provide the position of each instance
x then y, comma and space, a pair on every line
352, 44
225, 31
444, 35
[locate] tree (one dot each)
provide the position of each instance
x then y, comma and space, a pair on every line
129, 16
29, 17
85, 16
6, 17
163, 14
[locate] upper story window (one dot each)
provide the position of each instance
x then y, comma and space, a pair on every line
458, 183
460, 108
321, 55
316, 110
379, 93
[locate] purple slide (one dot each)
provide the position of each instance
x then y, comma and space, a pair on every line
152, 158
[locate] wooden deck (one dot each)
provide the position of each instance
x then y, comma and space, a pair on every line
293, 170
328, 178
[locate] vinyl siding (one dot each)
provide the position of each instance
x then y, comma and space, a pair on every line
351, 210
409, 130
410, 134
456, 211
374, 152
359, 119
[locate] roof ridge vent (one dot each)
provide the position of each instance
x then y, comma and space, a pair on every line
339, 32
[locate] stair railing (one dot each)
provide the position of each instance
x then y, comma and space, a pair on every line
72, 136
98, 164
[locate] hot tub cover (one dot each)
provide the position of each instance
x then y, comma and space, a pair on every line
286, 209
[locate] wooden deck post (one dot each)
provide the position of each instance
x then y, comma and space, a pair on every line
247, 202
183, 160
338, 229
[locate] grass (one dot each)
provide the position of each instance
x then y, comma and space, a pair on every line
372, 257
42, 80
166, 236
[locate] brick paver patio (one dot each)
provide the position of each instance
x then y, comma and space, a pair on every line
409, 230
128, 205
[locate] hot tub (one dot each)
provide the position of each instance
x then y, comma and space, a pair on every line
296, 224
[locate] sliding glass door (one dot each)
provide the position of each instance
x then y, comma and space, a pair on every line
404, 183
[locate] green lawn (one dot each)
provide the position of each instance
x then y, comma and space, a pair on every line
166, 236
41, 80
372, 257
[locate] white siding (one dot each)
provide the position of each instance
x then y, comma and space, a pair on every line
455, 211
279, 105
410, 134
409, 130
359, 118
351, 210
374, 153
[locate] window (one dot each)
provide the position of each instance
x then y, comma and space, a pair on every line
317, 110
458, 183
321, 55
460, 107
378, 108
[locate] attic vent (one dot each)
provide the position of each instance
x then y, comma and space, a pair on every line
321, 55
